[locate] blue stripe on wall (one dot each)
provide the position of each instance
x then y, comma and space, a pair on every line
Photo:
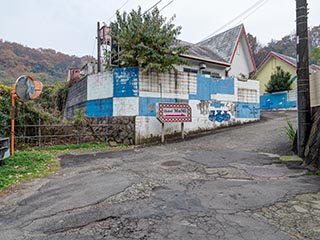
247, 110
100, 108
276, 101
222, 86
148, 105
207, 86
126, 82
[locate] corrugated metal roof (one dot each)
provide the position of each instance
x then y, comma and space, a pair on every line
224, 43
201, 52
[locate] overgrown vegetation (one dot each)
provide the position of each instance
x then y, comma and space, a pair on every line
48, 108
279, 81
146, 40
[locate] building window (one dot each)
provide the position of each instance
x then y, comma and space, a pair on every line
190, 70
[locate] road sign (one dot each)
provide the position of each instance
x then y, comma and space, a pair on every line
174, 112
27, 87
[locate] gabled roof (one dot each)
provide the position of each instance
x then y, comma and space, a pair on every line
202, 54
289, 60
225, 44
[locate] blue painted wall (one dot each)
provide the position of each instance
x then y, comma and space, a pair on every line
222, 86
247, 110
276, 101
100, 108
207, 86
126, 82
148, 105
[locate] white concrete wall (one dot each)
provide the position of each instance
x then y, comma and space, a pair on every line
100, 86
150, 127
126, 106
172, 83
252, 87
315, 89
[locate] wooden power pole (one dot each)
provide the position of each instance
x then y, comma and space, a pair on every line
303, 85
99, 48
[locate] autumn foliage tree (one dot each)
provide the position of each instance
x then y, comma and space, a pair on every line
279, 81
146, 40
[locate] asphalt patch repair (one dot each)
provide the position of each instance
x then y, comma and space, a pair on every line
73, 160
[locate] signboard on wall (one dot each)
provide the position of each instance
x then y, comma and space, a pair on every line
174, 112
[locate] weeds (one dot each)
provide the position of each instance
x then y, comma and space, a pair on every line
25, 166
290, 131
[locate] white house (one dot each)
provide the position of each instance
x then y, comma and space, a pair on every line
233, 47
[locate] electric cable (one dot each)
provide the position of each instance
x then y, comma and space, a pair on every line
254, 7
153, 6
166, 5
124, 4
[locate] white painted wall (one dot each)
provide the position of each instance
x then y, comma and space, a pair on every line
315, 89
127, 106
252, 85
241, 62
100, 86
172, 83
149, 127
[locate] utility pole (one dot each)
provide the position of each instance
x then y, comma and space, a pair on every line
303, 85
99, 48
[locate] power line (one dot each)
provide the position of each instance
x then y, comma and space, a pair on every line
118, 10
254, 7
250, 13
167, 5
153, 6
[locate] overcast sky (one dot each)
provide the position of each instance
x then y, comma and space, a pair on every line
69, 26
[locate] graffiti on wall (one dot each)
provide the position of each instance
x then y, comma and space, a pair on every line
203, 107
219, 116
221, 111
247, 110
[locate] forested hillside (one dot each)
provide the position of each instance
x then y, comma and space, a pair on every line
286, 46
46, 65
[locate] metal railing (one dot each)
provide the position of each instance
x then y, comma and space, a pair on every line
55, 134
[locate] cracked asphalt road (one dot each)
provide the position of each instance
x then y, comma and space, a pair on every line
226, 185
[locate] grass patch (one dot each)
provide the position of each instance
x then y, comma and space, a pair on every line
73, 147
315, 173
25, 166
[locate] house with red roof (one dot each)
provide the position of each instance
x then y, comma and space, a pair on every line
269, 66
